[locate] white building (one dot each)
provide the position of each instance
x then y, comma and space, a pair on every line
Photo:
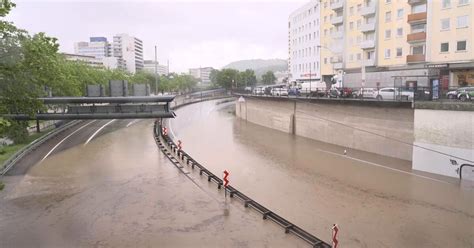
304, 43
98, 47
89, 60
130, 49
202, 73
149, 66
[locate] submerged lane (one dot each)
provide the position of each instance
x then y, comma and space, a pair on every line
379, 203
120, 191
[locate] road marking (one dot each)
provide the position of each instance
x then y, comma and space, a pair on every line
171, 129
60, 142
383, 166
98, 130
132, 122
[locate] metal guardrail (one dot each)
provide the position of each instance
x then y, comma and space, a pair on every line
7, 165
168, 147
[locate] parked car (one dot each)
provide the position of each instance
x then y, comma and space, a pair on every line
279, 92
391, 93
248, 89
258, 91
466, 94
365, 93
346, 92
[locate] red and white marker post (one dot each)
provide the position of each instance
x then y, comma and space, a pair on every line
335, 229
180, 146
165, 131
226, 182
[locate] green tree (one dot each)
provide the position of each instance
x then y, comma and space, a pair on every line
228, 78
247, 78
268, 78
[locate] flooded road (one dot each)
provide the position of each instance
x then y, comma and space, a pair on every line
108, 185
376, 201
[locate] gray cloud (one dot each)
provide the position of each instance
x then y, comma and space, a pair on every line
188, 33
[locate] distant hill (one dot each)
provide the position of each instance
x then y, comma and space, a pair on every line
260, 66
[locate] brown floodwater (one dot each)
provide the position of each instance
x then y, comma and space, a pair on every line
120, 191
376, 201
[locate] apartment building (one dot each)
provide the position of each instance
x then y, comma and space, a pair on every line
402, 43
130, 50
304, 62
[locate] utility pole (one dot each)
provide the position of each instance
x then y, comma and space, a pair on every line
156, 72
310, 80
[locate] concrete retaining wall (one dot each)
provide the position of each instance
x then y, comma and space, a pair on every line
366, 128
447, 132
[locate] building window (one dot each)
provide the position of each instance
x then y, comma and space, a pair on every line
400, 13
351, 25
418, 49
351, 57
388, 34
463, 2
446, 4
463, 21
359, 7
325, 18
358, 56
445, 24
359, 22
399, 52
359, 39
461, 45
399, 32
325, 61
388, 1
387, 53
351, 10
420, 8
388, 16
444, 47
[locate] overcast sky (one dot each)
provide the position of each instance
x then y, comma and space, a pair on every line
188, 33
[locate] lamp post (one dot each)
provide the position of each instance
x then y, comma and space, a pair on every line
156, 72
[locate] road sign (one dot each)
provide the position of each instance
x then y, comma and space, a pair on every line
334, 236
226, 174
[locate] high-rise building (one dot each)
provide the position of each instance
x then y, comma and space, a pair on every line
98, 47
149, 66
130, 50
304, 42
402, 43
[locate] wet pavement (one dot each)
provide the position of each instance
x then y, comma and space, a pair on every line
376, 201
119, 190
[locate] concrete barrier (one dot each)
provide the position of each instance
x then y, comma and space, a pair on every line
382, 129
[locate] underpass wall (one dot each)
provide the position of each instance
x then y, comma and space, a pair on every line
382, 130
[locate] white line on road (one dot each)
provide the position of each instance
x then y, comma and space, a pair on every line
60, 142
132, 122
98, 130
383, 166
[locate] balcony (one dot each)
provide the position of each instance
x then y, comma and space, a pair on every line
336, 59
368, 10
337, 20
415, 58
416, 37
367, 44
368, 62
337, 66
367, 27
337, 35
417, 17
412, 2
337, 5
